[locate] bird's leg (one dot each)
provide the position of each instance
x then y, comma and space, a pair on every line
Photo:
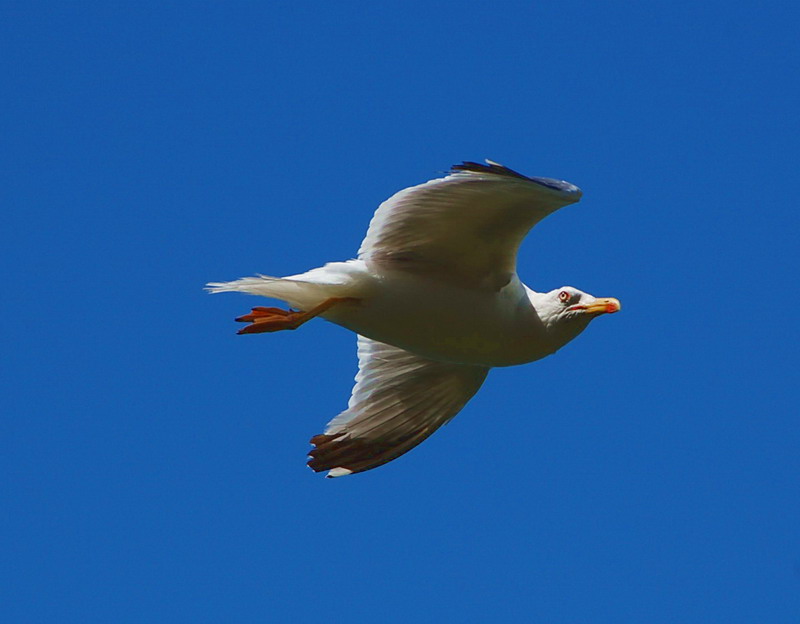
276, 319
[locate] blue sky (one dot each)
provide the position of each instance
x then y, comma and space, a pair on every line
153, 461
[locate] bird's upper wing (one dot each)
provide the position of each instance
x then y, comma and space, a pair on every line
399, 400
464, 228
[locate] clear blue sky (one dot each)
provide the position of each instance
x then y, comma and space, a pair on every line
153, 462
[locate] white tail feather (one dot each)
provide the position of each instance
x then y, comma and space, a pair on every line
302, 295
304, 291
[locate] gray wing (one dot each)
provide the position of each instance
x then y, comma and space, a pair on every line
399, 400
465, 228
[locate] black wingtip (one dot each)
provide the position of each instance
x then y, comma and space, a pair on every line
340, 451
497, 169
490, 167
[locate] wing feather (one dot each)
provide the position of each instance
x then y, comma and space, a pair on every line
399, 400
465, 227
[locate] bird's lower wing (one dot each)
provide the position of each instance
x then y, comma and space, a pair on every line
399, 400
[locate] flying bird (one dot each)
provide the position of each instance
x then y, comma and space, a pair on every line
436, 302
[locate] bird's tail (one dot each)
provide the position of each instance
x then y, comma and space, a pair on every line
302, 291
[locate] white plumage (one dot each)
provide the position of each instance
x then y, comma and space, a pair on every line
436, 301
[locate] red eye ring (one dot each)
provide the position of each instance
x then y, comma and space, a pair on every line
564, 296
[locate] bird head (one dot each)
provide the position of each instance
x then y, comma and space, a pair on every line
566, 311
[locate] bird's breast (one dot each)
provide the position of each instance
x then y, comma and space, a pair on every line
441, 322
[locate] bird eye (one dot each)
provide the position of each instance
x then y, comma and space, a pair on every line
563, 296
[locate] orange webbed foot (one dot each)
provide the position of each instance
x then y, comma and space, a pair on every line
260, 312
276, 319
270, 320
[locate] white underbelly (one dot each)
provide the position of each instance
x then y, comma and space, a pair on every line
451, 324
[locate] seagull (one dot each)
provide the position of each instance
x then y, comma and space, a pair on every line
436, 302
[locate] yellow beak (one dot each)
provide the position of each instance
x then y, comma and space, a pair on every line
602, 305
